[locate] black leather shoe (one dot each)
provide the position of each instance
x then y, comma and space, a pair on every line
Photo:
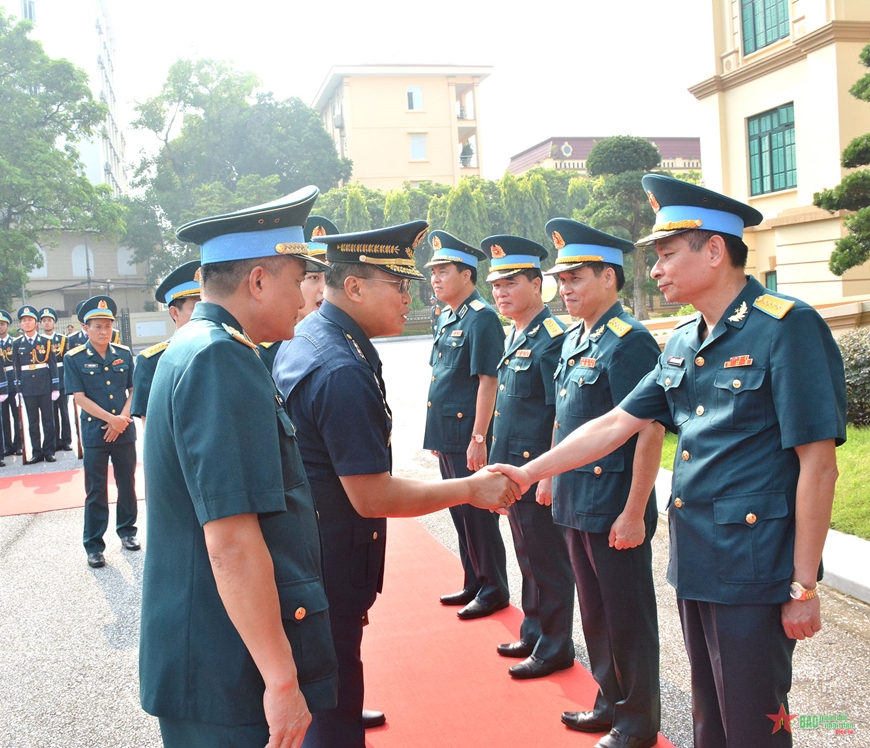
477, 609
96, 560
34, 460
2, 464
66, 448
50, 458
585, 722
130, 543
519, 649
372, 718
617, 739
17, 452
532, 667
458, 598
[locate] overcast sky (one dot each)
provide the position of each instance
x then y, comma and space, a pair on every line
583, 67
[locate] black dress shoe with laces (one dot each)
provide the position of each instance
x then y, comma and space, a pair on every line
463, 597
534, 667
477, 609
617, 739
372, 718
130, 543
519, 649
585, 722
96, 560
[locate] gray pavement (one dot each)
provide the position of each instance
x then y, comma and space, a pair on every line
69, 634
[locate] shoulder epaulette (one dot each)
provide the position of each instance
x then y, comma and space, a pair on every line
552, 327
77, 349
618, 327
685, 322
149, 352
267, 346
239, 337
477, 305
773, 305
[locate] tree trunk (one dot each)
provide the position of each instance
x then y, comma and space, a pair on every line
639, 297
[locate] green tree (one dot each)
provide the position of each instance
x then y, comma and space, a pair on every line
578, 197
396, 208
853, 192
512, 202
46, 108
356, 212
464, 219
536, 207
619, 205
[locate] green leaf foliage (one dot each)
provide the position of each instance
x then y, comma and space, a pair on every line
855, 347
396, 208
620, 154
857, 153
356, 212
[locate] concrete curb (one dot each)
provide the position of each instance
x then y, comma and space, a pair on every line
846, 557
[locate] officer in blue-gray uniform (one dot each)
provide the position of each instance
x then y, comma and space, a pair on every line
522, 430
754, 387
469, 341
331, 376
59, 347
36, 381
10, 433
99, 376
235, 645
80, 337
607, 509
179, 291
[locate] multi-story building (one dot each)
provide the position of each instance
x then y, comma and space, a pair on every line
778, 116
679, 155
405, 123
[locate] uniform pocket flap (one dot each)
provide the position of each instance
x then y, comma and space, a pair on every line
740, 379
670, 377
301, 599
527, 448
455, 410
749, 509
286, 423
520, 364
584, 375
612, 463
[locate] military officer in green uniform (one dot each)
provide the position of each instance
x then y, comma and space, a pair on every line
522, 430
607, 509
179, 291
99, 376
236, 647
469, 341
755, 390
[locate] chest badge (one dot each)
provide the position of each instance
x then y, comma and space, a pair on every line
456, 334
739, 313
117, 361
524, 353
589, 363
676, 360
736, 361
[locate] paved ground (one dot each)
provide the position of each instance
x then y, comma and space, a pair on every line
68, 634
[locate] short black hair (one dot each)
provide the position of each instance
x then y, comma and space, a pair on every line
460, 266
531, 274
223, 278
339, 271
738, 252
598, 269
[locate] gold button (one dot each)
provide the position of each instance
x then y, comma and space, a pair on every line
442, 330
113, 410
429, 404
439, 355
300, 613
454, 345
580, 380
700, 410
494, 440
106, 368
517, 367
111, 397
501, 386
737, 384
496, 414
459, 415
318, 514
685, 455
89, 418
525, 454
555, 424
351, 338
108, 382
570, 362
668, 382
563, 393
678, 502
750, 518
700, 361
433, 379
597, 470
374, 536
507, 361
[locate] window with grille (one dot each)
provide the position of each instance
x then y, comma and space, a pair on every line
764, 22
415, 98
772, 151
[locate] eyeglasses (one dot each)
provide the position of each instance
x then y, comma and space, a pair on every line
404, 285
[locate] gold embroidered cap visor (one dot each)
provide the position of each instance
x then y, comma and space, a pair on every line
391, 248
510, 255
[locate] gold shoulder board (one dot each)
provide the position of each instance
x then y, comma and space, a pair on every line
477, 305
552, 327
149, 352
773, 305
239, 337
618, 327
77, 349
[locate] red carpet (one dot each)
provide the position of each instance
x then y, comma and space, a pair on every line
439, 679
47, 492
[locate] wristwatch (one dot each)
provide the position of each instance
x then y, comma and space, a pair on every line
799, 592
479, 438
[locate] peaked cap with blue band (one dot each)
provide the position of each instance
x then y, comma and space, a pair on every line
578, 244
391, 248
97, 307
450, 249
28, 311
510, 255
5, 316
47, 311
681, 206
267, 230
315, 227
180, 283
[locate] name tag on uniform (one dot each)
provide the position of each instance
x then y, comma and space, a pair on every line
92, 366
589, 363
675, 361
738, 361
456, 334
524, 353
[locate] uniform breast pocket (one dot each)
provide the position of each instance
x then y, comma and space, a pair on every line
368, 552
582, 400
291, 461
740, 399
673, 382
120, 368
454, 351
518, 377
